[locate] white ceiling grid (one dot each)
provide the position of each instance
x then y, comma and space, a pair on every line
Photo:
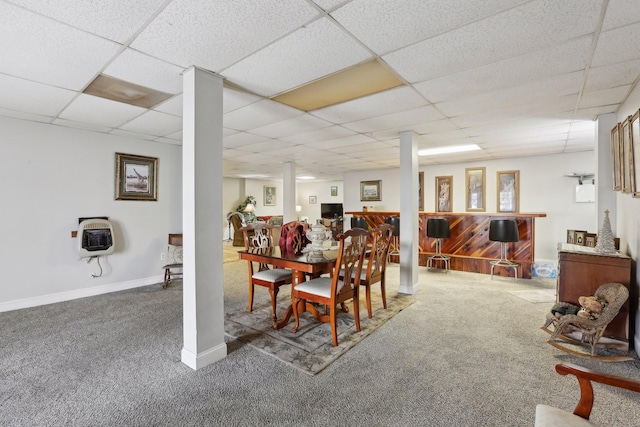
516, 77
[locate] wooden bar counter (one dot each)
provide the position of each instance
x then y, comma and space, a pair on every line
469, 246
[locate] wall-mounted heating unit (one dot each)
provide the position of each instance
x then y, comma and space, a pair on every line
95, 237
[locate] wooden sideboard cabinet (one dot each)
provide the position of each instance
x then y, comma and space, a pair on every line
581, 273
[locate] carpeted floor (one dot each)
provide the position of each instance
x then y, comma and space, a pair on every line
468, 352
310, 349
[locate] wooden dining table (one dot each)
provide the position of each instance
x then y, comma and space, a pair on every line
300, 265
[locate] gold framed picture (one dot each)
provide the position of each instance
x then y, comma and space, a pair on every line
136, 177
476, 198
508, 188
616, 157
269, 196
370, 191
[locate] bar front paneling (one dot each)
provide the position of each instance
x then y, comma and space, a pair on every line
469, 246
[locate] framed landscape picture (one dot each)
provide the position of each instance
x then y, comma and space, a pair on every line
136, 177
370, 191
476, 197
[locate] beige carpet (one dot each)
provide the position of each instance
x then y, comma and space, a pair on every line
310, 349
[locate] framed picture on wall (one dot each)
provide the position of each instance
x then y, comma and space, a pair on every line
626, 161
615, 157
136, 177
475, 181
420, 191
370, 191
269, 196
508, 191
313, 200
444, 193
334, 190
635, 154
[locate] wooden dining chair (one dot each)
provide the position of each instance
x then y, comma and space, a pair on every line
258, 238
173, 259
293, 237
374, 270
334, 290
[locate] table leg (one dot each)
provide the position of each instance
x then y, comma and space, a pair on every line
297, 277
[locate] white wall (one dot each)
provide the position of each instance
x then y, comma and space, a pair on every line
53, 175
543, 188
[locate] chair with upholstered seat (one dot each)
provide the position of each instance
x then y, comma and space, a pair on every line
614, 295
549, 416
258, 238
237, 220
334, 290
375, 266
173, 259
293, 237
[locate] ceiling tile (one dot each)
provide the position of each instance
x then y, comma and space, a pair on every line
299, 124
25, 116
233, 99
614, 46
556, 60
611, 96
405, 119
134, 135
619, 13
319, 135
36, 98
154, 123
311, 52
609, 76
389, 101
171, 106
100, 111
81, 125
242, 139
115, 20
72, 57
259, 114
387, 25
224, 32
536, 25
141, 69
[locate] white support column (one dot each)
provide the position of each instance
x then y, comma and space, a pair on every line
408, 213
289, 190
203, 304
605, 196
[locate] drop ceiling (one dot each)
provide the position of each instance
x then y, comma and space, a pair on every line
516, 77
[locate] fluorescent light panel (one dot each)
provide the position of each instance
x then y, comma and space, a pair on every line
448, 150
360, 80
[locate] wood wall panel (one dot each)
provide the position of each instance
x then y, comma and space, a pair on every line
469, 246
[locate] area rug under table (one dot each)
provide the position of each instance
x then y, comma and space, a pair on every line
310, 349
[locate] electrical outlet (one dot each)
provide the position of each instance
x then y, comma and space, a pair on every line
162, 256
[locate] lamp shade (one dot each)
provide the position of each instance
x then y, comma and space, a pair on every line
395, 222
503, 230
298, 208
359, 222
250, 208
438, 228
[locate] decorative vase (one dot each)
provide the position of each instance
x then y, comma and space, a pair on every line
318, 234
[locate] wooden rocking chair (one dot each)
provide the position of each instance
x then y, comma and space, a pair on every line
615, 294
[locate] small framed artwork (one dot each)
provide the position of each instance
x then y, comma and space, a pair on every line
476, 197
580, 237
508, 191
370, 191
626, 161
313, 200
136, 177
570, 236
334, 190
590, 240
444, 193
615, 157
269, 196
635, 154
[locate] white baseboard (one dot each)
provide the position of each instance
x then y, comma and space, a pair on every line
78, 293
203, 359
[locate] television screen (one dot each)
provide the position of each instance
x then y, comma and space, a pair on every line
331, 210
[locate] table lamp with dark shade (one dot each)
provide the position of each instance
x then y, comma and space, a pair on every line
438, 228
395, 222
359, 222
504, 231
